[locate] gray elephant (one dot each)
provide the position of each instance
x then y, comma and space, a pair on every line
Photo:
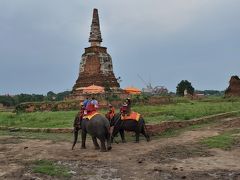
98, 127
119, 126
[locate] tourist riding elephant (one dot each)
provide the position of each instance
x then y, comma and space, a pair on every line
118, 125
97, 127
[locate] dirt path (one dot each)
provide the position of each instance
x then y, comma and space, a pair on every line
180, 157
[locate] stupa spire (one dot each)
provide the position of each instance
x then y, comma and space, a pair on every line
95, 37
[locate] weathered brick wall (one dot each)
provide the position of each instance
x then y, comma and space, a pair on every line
234, 87
48, 106
164, 126
96, 68
75, 104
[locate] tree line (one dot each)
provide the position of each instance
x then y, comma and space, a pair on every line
185, 85
8, 100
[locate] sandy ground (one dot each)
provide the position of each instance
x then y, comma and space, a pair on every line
180, 157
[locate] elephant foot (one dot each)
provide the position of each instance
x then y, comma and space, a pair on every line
97, 147
83, 147
109, 148
103, 150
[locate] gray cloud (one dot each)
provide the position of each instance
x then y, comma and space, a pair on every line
41, 42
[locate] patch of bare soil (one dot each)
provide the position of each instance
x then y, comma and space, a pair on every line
10, 140
200, 175
173, 153
178, 157
232, 123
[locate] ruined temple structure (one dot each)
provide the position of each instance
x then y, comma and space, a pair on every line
234, 87
96, 64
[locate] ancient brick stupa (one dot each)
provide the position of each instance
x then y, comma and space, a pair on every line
96, 64
234, 87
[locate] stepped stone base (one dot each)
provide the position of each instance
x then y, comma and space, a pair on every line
96, 68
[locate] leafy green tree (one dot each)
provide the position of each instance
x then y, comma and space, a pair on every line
61, 96
7, 100
37, 97
184, 84
51, 96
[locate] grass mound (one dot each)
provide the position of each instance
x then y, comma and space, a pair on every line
50, 168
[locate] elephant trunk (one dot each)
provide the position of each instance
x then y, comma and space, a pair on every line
75, 131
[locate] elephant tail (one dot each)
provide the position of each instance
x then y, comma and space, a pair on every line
145, 127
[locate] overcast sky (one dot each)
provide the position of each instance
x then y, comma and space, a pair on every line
163, 41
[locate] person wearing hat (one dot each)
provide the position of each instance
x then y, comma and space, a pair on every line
110, 114
86, 102
129, 104
123, 109
84, 105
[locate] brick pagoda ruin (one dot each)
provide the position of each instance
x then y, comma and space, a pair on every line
96, 64
234, 87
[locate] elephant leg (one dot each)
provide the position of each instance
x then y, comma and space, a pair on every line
84, 136
96, 145
145, 134
122, 136
137, 134
109, 147
103, 146
114, 133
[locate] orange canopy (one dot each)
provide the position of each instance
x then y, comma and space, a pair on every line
132, 90
93, 89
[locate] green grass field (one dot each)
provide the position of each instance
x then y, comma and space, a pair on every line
152, 114
50, 168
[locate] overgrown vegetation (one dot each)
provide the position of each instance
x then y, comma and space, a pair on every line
55, 137
185, 111
50, 168
184, 85
182, 109
223, 141
8, 100
175, 132
58, 119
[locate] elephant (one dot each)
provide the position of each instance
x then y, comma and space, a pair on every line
97, 127
118, 125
